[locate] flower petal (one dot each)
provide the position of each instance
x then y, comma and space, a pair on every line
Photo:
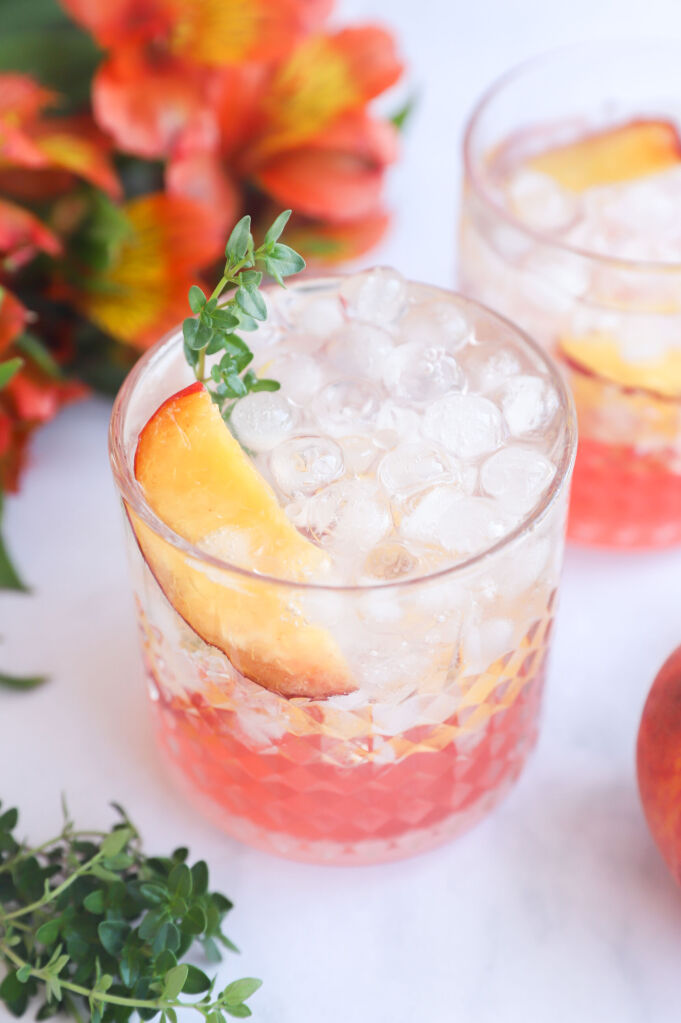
120, 21
336, 243
12, 318
326, 184
75, 145
21, 233
147, 106
219, 32
22, 97
326, 76
145, 292
203, 177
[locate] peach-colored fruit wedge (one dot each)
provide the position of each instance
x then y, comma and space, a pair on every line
600, 354
658, 761
198, 480
625, 153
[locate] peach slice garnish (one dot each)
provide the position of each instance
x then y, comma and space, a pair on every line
600, 355
624, 153
201, 484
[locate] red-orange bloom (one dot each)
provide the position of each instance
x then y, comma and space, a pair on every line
69, 146
22, 234
144, 292
12, 318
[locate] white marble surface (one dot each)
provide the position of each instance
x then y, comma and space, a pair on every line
558, 907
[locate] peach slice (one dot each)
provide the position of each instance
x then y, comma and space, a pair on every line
624, 153
599, 354
198, 480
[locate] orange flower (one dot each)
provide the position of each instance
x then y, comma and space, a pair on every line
31, 398
73, 147
22, 234
143, 292
238, 93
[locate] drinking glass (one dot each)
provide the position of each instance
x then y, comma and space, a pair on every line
448, 667
609, 311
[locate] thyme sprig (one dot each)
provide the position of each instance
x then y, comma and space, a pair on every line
213, 328
98, 930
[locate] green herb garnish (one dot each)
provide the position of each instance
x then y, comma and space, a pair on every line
213, 329
98, 930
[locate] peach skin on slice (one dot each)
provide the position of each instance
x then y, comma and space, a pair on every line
198, 480
624, 153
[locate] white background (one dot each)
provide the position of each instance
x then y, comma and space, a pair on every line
558, 907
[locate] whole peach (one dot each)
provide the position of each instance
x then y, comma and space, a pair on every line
658, 761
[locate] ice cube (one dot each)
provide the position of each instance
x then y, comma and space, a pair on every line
348, 514
263, 419
517, 477
487, 366
317, 315
303, 465
529, 404
376, 296
411, 468
459, 524
436, 324
389, 561
539, 201
412, 372
359, 349
468, 425
346, 407
300, 376
395, 423
359, 452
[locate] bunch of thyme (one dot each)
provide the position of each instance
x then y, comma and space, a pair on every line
95, 929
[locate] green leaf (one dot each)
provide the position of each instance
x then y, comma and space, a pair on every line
401, 116
94, 902
115, 842
202, 337
9, 819
200, 877
180, 880
9, 577
239, 239
190, 327
252, 303
196, 981
14, 994
174, 982
197, 299
250, 279
225, 318
36, 351
211, 951
195, 921
166, 961
239, 990
238, 1011
235, 386
8, 369
23, 973
112, 934
103, 983
154, 892
266, 385
286, 260
216, 343
22, 682
48, 933
274, 232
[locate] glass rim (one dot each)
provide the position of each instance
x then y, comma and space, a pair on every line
476, 178
134, 498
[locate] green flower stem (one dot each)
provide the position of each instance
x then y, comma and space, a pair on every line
66, 834
101, 996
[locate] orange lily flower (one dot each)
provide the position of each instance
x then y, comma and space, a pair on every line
71, 147
143, 292
12, 318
